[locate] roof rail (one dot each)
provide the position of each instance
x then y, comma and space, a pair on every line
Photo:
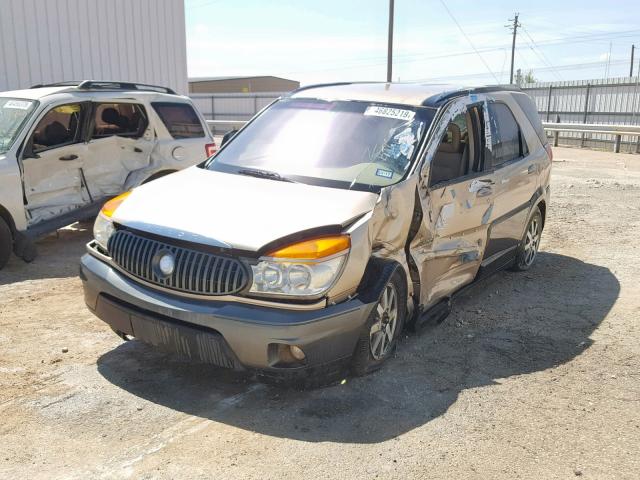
108, 85
437, 100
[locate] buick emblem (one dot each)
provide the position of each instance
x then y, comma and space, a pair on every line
166, 264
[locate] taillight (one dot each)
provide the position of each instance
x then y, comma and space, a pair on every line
210, 149
547, 147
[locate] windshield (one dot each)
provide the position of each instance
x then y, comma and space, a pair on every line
14, 112
343, 144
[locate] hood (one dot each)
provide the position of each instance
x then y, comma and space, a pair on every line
236, 211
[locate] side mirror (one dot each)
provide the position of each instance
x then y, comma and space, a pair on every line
28, 150
228, 136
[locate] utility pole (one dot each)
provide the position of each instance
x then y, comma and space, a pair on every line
514, 28
390, 42
633, 48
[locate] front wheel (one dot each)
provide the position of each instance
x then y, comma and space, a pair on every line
528, 248
380, 334
6, 243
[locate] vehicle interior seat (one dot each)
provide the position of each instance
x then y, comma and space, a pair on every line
54, 134
452, 157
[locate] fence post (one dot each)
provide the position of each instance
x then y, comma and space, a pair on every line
616, 145
549, 103
556, 134
586, 111
213, 111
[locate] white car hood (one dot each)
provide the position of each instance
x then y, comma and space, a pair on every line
236, 211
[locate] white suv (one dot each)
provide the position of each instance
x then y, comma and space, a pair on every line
66, 147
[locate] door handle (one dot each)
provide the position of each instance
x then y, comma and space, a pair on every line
137, 150
531, 169
484, 192
66, 158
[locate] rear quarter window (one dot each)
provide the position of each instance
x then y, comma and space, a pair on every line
180, 119
531, 112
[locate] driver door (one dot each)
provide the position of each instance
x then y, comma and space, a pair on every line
457, 204
52, 163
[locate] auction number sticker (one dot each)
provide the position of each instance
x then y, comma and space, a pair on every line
389, 112
19, 104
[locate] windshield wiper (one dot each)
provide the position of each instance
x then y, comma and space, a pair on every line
264, 174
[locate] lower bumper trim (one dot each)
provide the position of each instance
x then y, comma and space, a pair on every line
197, 344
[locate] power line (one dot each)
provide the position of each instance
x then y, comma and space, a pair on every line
468, 40
541, 56
575, 66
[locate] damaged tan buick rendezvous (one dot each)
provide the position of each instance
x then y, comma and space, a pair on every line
335, 218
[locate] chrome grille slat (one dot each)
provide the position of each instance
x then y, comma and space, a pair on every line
196, 272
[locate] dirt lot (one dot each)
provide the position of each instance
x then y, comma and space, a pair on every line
534, 375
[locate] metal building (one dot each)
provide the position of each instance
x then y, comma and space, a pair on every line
60, 40
255, 84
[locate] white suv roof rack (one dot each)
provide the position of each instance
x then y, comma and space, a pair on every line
108, 85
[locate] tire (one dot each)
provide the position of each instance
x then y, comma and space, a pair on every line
528, 248
6, 243
374, 347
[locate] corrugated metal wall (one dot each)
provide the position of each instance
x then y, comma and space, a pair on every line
611, 101
46, 41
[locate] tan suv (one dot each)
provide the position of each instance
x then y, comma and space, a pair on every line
335, 218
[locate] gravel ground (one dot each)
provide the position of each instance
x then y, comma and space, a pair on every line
533, 375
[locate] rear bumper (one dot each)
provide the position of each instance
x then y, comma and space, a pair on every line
227, 334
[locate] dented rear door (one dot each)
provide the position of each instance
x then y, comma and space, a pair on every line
120, 142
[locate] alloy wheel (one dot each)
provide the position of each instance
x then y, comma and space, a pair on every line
384, 328
532, 241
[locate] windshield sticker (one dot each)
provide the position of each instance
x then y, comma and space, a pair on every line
384, 173
19, 104
387, 112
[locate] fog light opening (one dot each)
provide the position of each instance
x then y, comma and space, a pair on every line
297, 352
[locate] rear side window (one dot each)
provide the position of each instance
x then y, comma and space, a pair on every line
121, 119
530, 110
506, 138
180, 119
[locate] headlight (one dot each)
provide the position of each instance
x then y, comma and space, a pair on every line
103, 228
305, 269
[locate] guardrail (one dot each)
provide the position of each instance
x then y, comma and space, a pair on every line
223, 126
218, 127
616, 130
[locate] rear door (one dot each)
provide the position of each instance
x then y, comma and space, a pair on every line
516, 177
120, 141
52, 162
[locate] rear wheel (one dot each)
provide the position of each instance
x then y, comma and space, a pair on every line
6, 243
528, 248
380, 334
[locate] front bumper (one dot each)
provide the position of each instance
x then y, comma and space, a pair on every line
227, 334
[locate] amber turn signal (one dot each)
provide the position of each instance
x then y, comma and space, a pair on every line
110, 207
313, 249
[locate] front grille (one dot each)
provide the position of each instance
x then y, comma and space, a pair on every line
194, 272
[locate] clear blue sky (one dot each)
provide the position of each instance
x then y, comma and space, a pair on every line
331, 40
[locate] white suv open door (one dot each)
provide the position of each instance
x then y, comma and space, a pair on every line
52, 163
